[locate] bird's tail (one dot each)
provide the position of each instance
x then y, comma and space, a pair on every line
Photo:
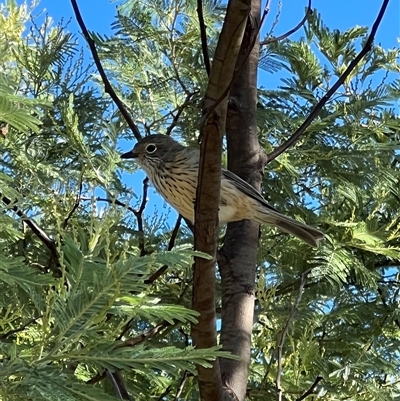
302, 231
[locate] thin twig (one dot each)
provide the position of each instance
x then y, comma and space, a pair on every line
138, 213
4, 336
285, 332
311, 390
77, 202
266, 8
43, 237
107, 85
367, 47
125, 329
171, 244
131, 342
97, 378
180, 110
203, 36
112, 201
164, 393
288, 33
277, 16
181, 385
119, 386
139, 217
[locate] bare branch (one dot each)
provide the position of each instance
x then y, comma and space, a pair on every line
119, 386
107, 85
237, 259
114, 201
292, 31
367, 47
43, 237
181, 385
285, 332
139, 217
266, 8
311, 390
203, 35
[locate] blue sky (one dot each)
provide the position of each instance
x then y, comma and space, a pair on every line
340, 14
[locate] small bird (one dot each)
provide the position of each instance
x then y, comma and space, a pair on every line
173, 170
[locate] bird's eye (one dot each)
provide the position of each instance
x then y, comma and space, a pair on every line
151, 148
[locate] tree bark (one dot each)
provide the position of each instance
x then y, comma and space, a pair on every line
238, 256
208, 192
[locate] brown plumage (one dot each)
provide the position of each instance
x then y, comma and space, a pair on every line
173, 170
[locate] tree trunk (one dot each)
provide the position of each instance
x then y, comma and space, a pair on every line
208, 190
238, 256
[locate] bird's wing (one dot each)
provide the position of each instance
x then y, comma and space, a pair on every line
246, 188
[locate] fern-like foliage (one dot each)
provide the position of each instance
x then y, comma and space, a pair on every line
79, 306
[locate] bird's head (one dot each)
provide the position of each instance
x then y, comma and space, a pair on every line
152, 151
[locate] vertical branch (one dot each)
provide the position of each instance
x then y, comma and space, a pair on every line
238, 257
76, 203
139, 217
208, 191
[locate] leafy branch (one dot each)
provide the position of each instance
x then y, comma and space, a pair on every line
316, 110
285, 331
137, 212
107, 85
4, 336
171, 244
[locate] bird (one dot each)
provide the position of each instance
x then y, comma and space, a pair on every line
173, 170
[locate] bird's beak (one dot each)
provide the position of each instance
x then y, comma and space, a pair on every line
130, 155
